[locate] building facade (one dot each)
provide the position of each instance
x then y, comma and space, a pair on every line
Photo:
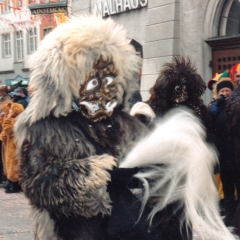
20, 34
19, 37
207, 31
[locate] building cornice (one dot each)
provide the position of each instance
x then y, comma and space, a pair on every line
9, 71
25, 69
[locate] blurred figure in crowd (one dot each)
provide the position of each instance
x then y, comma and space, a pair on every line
10, 163
17, 92
4, 109
20, 96
7, 89
7, 94
212, 84
4, 98
235, 74
224, 146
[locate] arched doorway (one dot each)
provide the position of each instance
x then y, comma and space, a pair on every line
225, 47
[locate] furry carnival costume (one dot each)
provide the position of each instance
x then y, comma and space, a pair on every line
233, 113
75, 134
10, 162
4, 108
179, 84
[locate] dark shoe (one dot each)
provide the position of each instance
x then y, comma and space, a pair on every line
14, 188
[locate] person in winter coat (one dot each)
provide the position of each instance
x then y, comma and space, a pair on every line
224, 145
10, 163
20, 96
212, 86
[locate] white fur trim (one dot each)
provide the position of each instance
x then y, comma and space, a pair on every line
179, 169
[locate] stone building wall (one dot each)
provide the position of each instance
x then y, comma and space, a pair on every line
166, 28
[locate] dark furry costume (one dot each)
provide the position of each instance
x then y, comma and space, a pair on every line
233, 116
179, 84
233, 113
71, 146
65, 166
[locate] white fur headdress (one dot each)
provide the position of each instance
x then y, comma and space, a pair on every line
66, 56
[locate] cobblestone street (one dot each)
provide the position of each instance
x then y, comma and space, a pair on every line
15, 220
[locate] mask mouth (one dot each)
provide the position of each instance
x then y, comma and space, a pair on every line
97, 112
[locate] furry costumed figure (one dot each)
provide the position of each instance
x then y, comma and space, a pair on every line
179, 84
233, 114
71, 148
4, 98
10, 162
4, 109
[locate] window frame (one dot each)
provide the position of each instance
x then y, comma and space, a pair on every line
46, 28
6, 42
19, 46
6, 9
32, 40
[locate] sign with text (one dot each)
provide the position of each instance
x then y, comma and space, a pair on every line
47, 6
111, 7
49, 10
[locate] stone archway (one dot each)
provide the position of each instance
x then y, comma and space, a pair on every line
211, 29
225, 47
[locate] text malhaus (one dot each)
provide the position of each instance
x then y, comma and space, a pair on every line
111, 7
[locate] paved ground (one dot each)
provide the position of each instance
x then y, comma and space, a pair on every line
15, 220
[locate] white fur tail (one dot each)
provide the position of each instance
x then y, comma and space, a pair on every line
180, 169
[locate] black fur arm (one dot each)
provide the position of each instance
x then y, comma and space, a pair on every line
67, 187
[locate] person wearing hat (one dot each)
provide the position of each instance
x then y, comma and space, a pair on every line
212, 84
235, 74
216, 83
223, 142
19, 95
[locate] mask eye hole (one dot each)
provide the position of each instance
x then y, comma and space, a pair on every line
92, 84
108, 80
177, 88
